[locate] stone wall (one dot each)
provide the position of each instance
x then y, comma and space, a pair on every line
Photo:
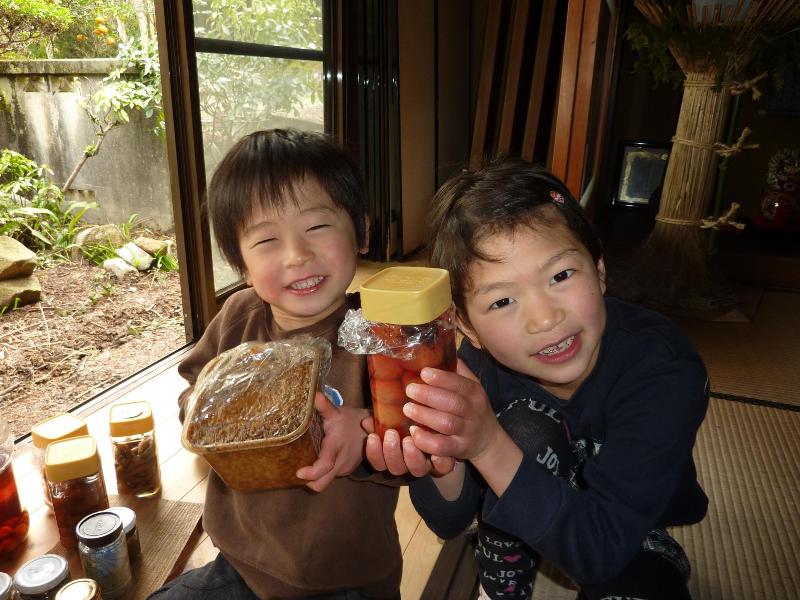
40, 116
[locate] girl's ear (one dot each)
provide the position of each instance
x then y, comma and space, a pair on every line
469, 333
601, 273
365, 246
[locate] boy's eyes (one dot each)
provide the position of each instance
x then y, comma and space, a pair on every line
316, 227
502, 303
562, 276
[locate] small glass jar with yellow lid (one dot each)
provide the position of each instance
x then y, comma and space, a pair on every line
133, 443
407, 323
44, 433
76, 483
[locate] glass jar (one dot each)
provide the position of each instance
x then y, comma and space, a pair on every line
128, 517
410, 311
60, 427
42, 577
75, 482
6, 586
80, 589
104, 553
134, 445
14, 519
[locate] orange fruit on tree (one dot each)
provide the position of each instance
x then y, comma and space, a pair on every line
110, 41
80, 37
99, 20
101, 30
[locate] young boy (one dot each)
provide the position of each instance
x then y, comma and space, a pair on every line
289, 212
528, 282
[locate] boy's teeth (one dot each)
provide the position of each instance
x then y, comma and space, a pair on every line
558, 347
306, 283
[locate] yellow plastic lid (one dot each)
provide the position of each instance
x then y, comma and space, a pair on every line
130, 418
70, 459
60, 427
405, 295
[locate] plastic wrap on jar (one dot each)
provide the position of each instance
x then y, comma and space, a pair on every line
406, 323
251, 413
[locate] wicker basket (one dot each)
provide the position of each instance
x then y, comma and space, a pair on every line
270, 462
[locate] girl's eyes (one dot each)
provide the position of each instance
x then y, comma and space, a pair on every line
318, 227
562, 276
264, 241
502, 303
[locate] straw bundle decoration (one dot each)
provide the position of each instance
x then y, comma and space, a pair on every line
711, 43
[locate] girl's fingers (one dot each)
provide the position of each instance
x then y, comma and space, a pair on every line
374, 452
434, 443
442, 465
393, 453
417, 463
442, 422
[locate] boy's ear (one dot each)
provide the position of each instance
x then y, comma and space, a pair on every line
601, 273
468, 332
365, 247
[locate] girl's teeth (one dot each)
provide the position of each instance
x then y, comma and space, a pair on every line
558, 347
306, 283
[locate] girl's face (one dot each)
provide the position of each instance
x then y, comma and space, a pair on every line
539, 310
302, 258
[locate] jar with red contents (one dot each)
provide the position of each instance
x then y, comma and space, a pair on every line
14, 520
44, 433
76, 483
406, 324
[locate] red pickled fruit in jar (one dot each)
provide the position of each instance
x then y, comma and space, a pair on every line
14, 520
391, 416
392, 335
424, 356
411, 377
388, 391
384, 367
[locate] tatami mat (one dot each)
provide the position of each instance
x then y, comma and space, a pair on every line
748, 547
760, 359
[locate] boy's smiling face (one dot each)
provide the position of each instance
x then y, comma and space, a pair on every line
302, 258
539, 310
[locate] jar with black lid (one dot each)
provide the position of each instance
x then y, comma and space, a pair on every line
104, 553
41, 578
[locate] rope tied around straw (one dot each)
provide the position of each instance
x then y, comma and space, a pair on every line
750, 84
724, 219
726, 151
673, 221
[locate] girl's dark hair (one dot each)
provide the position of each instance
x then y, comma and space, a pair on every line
265, 167
500, 197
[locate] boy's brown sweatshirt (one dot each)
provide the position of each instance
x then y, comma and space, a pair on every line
294, 542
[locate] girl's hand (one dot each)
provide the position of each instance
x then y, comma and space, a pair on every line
454, 412
401, 457
342, 447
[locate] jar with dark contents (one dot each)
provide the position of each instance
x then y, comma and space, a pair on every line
14, 517
44, 433
41, 577
410, 310
104, 553
6, 586
134, 446
80, 589
128, 517
75, 482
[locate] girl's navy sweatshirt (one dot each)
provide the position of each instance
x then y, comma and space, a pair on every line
636, 416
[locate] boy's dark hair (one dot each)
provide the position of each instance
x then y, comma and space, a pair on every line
265, 167
500, 197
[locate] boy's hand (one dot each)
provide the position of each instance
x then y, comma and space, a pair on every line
456, 416
342, 447
401, 457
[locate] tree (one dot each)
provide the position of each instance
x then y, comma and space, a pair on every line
23, 22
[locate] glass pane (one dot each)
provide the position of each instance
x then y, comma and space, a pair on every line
241, 94
294, 23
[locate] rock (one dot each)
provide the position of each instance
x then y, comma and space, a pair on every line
119, 268
109, 235
133, 255
27, 289
154, 247
15, 259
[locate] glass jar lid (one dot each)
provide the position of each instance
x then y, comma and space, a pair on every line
127, 515
79, 589
56, 428
405, 295
41, 574
5, 586
130, 418
99, 528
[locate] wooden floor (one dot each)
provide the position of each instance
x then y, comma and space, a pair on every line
184, 475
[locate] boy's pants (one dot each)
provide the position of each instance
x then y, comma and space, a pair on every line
218, 580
